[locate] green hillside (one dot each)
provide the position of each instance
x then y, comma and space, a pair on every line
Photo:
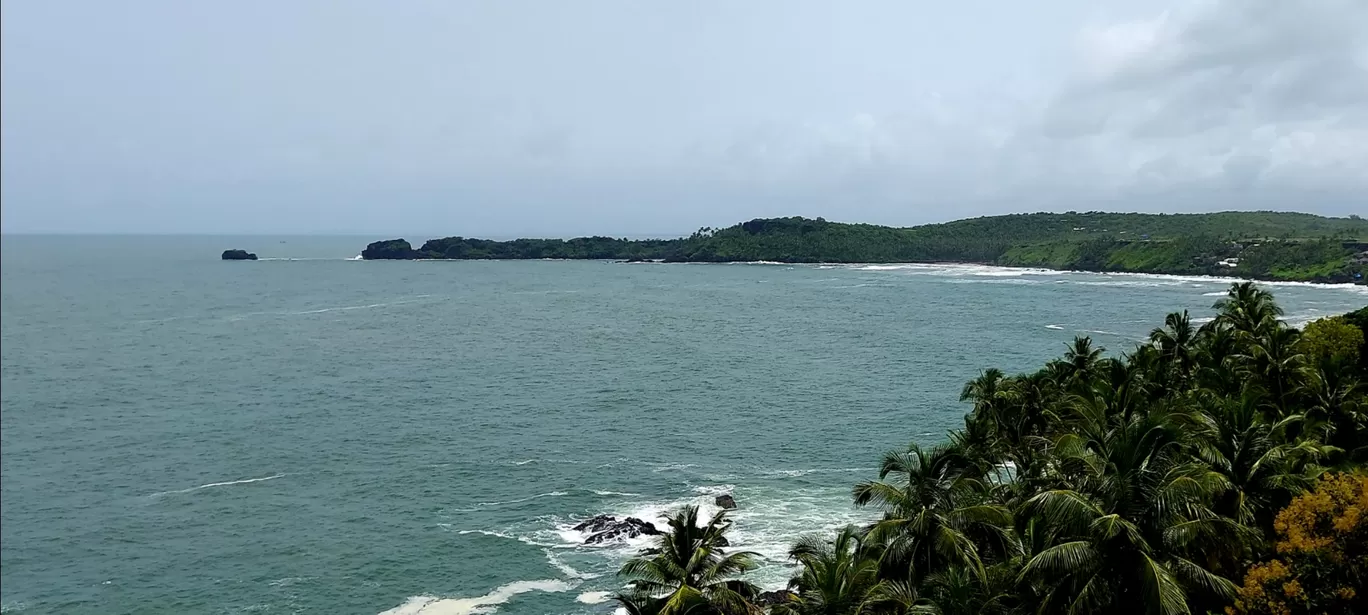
1268, 245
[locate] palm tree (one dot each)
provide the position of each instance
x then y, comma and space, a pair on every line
1262, 469
1336, 405
688, 571
1177, 341
1248, 309
1079, 364
1276, 362
836, 574
934, 513
1132, 509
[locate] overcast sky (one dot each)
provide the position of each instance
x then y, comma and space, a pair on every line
631, 117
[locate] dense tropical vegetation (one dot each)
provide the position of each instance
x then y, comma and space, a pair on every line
1271, 245
1217, 468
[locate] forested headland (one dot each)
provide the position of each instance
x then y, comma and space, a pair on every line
1213, 469
1258, 245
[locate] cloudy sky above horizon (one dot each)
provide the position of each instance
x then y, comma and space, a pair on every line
622, 117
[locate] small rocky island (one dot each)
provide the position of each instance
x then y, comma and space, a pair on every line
238, 255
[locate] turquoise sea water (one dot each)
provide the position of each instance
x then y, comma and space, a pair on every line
321, 435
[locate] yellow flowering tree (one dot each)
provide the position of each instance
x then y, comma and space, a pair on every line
1322, 554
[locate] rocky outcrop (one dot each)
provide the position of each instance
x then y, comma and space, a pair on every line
607, 528
238, 255
726, 501
390, 249
780, 596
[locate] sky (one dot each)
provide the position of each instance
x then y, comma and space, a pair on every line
621, 117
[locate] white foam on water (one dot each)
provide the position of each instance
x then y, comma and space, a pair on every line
428, 605
565, 568
714, 489
617, 493
1216, 294
797, 473
484, 532
227, 483
593, 597
1055, 327
954, 269
479, 505
1082, 277
523, 539
348, 308
674, 467
763, 524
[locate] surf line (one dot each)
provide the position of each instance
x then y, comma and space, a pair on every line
226, 483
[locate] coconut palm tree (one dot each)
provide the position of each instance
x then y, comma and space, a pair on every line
1276, 361
1248, 309
1262, 469
1177, 345
934, 513
688, 571
1079, 364
1135, 508
835, 577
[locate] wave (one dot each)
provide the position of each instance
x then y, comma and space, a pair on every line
958, 269
428, 605
344, 308
528, 540
226, 483
593, 597
565, 568
796, 473
618, 493
1055, 327
479, 505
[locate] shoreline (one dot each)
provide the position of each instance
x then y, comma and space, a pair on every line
1043, 270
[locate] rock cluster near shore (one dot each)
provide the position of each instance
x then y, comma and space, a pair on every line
607, 528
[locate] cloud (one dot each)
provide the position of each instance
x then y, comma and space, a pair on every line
1230, 104
510, 118
1248, 94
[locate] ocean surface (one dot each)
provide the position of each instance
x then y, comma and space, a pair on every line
313, 434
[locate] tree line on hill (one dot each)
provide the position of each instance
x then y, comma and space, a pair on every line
1245, 244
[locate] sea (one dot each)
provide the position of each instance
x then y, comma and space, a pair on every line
312, 433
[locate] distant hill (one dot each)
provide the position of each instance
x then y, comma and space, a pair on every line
1266, 245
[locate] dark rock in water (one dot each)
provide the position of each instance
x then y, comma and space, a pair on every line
614, 529
238, 255
597, 524
726, 501
779, 596
390, 249
722, 541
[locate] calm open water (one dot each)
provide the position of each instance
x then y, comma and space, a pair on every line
320, 435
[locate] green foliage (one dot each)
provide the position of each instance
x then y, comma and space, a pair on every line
1267, 244
1146, 483
1332, 337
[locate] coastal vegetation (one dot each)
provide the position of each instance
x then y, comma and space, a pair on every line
1217, 467
1261, 245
